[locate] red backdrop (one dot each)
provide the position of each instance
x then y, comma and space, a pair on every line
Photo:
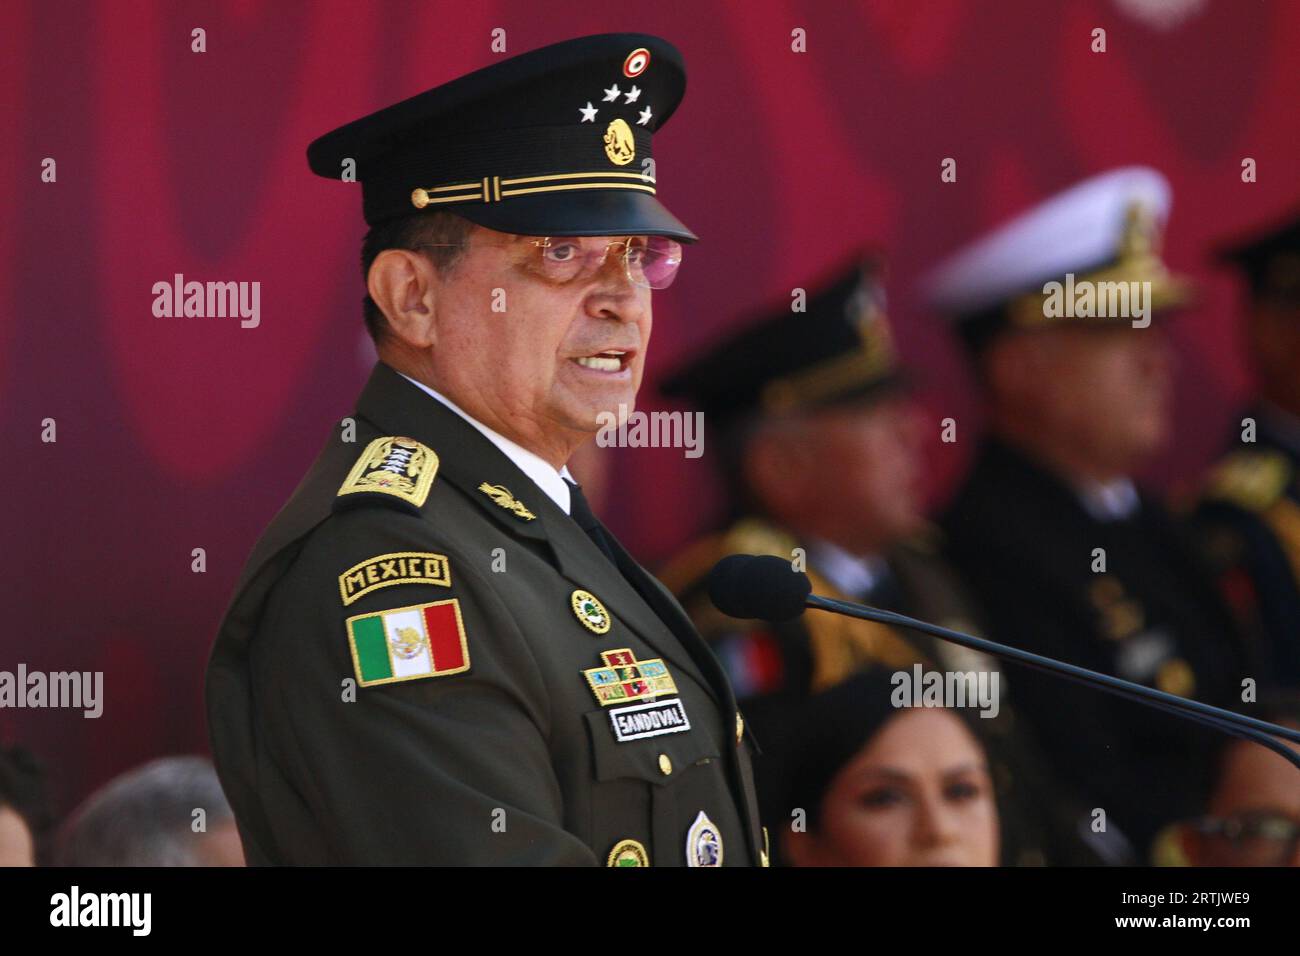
175, 434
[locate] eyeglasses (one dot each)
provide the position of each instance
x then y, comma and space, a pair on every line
650, 262
1267, 838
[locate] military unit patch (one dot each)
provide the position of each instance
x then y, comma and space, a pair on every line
502, 496
396, 468
628, 853
590, 611
407, 643
703, 842
624, 679
400, 567
649, 720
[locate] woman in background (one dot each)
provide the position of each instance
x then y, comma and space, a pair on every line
879, 785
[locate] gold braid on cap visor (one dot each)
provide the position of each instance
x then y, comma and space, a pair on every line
495, 189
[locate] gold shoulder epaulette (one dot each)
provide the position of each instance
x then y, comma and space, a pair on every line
927, 539
391, 470
755, 536
1252, 480
688, 569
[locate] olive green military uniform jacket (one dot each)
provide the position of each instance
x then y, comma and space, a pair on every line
494, 747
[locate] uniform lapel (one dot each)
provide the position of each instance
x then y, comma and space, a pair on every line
586, 566
468, 460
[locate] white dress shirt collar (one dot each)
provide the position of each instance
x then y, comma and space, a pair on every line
849, 573
1114, 500
551, 482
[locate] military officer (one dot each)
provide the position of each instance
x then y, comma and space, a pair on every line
821, 442
436, 653
820, 455
1248, 519
1067, 557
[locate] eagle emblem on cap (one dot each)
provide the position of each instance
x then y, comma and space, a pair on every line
619, 145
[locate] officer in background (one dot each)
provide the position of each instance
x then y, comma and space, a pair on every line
1252, 811
821, 452
1248, 519
880, 785
437, 654
1067, 557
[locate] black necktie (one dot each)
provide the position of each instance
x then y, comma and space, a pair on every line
672, 617
586, 519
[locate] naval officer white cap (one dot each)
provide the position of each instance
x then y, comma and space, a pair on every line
1104, 229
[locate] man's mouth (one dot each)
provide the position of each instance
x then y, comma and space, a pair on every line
610, 360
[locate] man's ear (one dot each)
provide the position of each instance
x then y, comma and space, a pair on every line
405, 284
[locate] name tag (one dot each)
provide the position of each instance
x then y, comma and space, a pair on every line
649, 720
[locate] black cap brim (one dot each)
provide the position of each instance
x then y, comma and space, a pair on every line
607, 213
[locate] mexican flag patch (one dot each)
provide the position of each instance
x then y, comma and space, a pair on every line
407, 643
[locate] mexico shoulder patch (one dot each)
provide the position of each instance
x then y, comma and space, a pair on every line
407, 643
399, 567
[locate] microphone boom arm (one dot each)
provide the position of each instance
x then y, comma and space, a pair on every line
1226, 721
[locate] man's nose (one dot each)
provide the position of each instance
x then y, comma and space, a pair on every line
614, 295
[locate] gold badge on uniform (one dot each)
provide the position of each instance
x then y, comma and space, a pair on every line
628, 853
1175, 676
502, 496
399, 567
703, 842
1120, 615
624, 679
590, 611
398, 467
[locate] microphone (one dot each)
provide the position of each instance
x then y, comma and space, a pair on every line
768, 588
758, 586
